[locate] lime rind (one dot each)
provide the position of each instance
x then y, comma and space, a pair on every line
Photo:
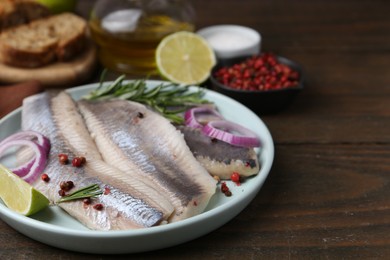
39, 202
59, 6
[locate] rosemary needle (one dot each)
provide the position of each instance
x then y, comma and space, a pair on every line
168, 99
86, 192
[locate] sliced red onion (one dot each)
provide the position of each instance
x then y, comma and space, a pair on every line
24, 169
198, 116
32, 168
231, 133
28, 135
39, 162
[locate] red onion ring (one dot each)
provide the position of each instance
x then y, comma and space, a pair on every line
28, 135
192, 119
31, 169
39, 163
23, 169
225, 131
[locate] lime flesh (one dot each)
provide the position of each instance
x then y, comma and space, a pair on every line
185, 58
19, 195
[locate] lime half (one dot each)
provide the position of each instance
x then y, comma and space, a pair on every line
185, 58
59, 6
18, 195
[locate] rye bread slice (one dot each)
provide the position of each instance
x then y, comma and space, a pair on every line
17, 12
43, 41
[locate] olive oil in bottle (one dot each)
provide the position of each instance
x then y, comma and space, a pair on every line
127, 32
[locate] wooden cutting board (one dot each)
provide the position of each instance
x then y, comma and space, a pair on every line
60, 74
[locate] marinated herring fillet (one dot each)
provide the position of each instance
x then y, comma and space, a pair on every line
220, 158
122, 209
70, 122
129, 136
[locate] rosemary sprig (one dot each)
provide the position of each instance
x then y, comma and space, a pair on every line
90, 191
168, 99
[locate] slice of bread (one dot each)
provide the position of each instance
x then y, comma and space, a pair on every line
71, 31
17, 12
43, 41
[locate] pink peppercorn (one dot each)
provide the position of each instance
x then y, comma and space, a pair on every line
262, 72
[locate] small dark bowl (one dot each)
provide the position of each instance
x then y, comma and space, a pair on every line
261, 101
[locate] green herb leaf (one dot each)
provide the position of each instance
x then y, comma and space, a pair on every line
86, 192
168, 99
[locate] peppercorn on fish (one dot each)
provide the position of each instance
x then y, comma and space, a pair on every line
129, 136
124, 206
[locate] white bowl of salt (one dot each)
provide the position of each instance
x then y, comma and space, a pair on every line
230, 41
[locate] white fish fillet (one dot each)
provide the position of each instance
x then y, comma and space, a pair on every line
75, 132
218, 157
140, 142
124, 206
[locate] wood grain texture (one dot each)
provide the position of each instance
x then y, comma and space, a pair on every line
328, 193
12, 95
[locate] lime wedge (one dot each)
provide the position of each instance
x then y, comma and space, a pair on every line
18, 195
185, 58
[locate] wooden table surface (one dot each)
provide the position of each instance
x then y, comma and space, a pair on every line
328, 193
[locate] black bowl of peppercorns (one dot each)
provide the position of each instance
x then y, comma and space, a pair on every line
266, 83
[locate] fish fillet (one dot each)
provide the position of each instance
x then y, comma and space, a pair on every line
73, 128
218, 157
123, 208
140, 142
